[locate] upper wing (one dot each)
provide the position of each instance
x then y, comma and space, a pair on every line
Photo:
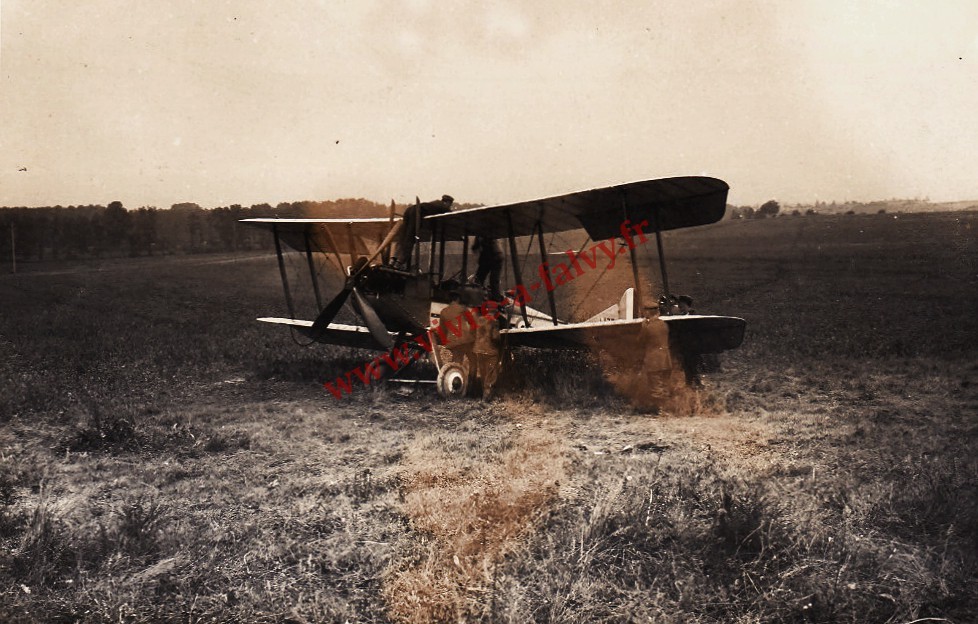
671, 203
359, 237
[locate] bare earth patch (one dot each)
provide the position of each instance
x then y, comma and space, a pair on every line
471, 499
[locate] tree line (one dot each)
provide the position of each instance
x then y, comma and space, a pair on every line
95, 231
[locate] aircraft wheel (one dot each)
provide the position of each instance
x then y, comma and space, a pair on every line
453, 381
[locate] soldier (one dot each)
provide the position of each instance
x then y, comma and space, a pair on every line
415, 212
490, 264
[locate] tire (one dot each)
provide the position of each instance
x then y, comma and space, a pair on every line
453, 381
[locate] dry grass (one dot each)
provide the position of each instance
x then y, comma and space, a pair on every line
471, 506
758, 517
165, 458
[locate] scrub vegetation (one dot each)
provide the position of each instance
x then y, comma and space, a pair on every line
163, 457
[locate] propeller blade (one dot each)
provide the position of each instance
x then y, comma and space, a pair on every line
329, 313
374, 324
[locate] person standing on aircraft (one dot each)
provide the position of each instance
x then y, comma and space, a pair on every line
416, 213
490, 264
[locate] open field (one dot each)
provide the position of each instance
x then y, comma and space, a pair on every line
163, 457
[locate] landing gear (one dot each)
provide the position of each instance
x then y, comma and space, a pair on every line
453, 381
470, 354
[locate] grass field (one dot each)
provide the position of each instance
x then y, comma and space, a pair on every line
163, 457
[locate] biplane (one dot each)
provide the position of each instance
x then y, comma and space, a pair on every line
405, 310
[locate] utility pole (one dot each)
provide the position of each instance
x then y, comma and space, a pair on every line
13, 249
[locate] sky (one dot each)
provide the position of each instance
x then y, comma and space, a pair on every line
214, 102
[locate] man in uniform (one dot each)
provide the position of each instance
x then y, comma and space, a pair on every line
490, 264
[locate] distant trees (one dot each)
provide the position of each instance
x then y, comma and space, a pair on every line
143, 237
740, 212
770, 208
98, 231
115, 224
220, 223
773, 208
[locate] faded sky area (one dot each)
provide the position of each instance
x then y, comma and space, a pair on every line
153, 103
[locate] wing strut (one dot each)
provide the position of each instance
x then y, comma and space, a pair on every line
516, 263
662, 256
638, 305
431, 250
353, 246
281, 268
441, 253
336, 249
545, 266
386, 254
312, 272
417, 236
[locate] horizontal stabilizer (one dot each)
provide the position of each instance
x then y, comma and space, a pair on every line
697, 333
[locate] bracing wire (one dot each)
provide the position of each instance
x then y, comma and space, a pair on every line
593, 286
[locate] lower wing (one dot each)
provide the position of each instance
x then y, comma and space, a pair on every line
336, 333
692, 333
